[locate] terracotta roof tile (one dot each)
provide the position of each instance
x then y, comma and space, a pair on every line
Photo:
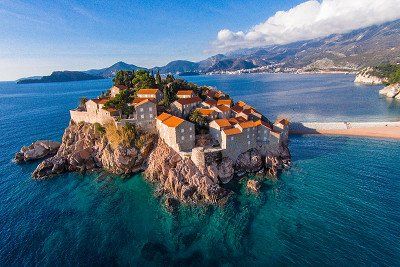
237, 108
147, 91
185, 92
246, 124
100, 100
223, 123
223, 108
173, 121
224, 102
231, 131
205, 111
240, 119
284, 122
211, 102
187, 101
144, 100
260, 122
163, 116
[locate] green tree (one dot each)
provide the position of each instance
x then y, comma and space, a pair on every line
143, 79
198, 119
82, 101
169, 79
121, 102
158, 78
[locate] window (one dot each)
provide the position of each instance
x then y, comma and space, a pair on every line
248, 142
183, 138
150, 109
142, 116
141, 109
190, 128
265, 131
232, 138
191, 136
151, 116
182, 130
248, 136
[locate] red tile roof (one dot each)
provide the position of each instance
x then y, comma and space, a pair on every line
187, 101
223, 123
211, 102
231, 131
185, 92
224, 102
247, 124
100, 100
173, 121
205, 111
260, 122
284, 122
223, 108
163, 116
147, 91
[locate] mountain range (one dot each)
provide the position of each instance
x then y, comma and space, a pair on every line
338, 52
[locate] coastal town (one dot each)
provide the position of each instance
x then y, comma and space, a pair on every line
228, 128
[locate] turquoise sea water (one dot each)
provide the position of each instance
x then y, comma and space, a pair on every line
339, 204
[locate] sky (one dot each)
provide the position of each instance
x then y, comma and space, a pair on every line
38, 37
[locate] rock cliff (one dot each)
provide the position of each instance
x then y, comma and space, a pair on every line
84, 147
365, 76
180, 178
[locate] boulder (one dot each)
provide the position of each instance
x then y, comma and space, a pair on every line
37, 150
249, 161
391, 91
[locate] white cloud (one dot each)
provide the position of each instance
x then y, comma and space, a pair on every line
311, 19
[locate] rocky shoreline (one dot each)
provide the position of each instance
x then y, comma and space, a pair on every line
85, 148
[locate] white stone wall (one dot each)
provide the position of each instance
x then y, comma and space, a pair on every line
89, 117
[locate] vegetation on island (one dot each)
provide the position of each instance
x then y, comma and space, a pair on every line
389, 71
140, 79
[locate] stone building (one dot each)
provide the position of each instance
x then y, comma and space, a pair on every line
185, 94
150, 94
208, 113
209, 103
222, 111
224, 102
116, 89
176, 132
183, 106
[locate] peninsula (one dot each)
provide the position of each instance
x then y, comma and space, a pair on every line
61, 76
188, 140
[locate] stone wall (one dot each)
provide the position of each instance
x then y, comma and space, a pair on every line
89, 117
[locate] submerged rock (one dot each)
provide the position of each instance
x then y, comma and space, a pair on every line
37, 150
253, 185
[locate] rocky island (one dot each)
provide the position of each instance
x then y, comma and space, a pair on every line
188, 140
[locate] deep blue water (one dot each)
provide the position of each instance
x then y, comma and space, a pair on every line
338, 205
323, 97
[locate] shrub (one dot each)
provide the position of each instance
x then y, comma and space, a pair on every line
98, 128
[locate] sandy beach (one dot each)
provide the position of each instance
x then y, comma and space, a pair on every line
390, 130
